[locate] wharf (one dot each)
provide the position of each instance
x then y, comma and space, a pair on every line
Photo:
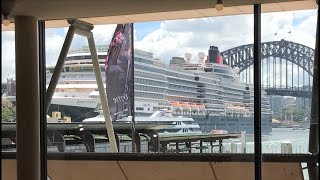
188, 139
90, 134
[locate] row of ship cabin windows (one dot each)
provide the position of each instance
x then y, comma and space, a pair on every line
151, 69
89, 76
181, 99
180, 75
143, 60
213, 86
168, 73
79, 69
143, 94
150, 88
206, 80
178, 81
175, 130
149, 82
191, 95
149, 101
148, 109
235, 114
182, 87
149, 75
191, 68
84, 57
185, 130
141, 109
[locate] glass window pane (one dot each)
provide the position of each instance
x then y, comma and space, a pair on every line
8, 89
188, 86
288, 51
189, 67
191, 79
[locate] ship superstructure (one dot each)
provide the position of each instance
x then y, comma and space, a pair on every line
208, 89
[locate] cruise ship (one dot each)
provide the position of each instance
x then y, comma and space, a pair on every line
208, 91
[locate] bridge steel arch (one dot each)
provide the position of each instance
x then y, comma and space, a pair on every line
242, 56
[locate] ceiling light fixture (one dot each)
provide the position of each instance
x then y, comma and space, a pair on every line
6, 8
5, 20
219, 6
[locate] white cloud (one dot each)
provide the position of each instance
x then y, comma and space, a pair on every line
102, 35
54, 42
174, 38
177, 37
306, 31
7, 56
302, 25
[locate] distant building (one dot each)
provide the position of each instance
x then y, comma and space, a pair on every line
3, 88
289, 102
276, 103
11, 87
303, 103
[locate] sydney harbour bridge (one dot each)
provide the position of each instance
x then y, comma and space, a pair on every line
286, 67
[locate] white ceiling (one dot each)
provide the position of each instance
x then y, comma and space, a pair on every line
126, 11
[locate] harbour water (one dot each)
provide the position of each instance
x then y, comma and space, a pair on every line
272, 143
299, 139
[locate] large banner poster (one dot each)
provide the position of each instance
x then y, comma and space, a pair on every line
119, 72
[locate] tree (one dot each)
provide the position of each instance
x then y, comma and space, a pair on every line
296, 113
8, 112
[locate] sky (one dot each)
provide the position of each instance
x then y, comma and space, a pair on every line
166, 39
